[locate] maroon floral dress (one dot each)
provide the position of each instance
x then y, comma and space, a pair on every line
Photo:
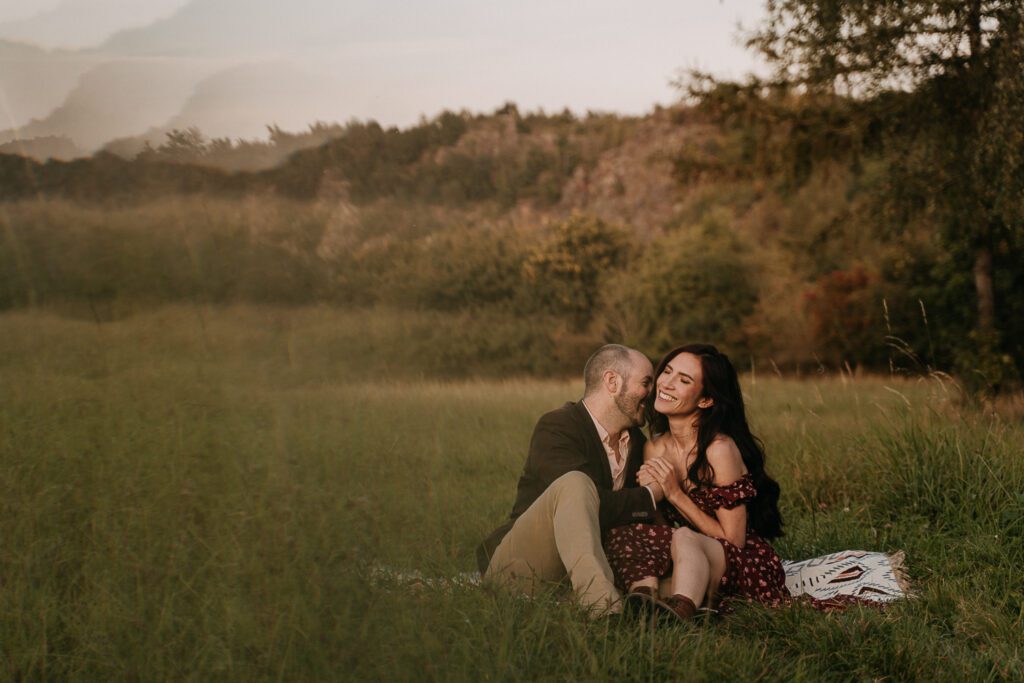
753, 572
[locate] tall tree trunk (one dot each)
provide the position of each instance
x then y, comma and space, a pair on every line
984, 289
974, 29
983, 256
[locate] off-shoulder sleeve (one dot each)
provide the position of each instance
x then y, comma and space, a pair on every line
732, 495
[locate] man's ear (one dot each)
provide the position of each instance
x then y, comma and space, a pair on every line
611, 381
705, 402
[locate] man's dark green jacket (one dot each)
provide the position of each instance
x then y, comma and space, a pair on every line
566, 440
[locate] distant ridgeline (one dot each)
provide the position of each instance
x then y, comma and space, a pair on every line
790, 229
500, 161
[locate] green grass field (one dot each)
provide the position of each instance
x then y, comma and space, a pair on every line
202, 495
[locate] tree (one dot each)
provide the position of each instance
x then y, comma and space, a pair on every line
186, 144
948, 75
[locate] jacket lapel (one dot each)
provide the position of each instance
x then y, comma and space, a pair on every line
636, 455
595, 449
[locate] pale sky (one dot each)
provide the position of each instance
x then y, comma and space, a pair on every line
395, 60
77, 23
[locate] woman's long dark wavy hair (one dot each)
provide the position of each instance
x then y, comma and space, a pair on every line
725, 415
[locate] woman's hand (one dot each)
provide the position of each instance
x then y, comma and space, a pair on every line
661, 472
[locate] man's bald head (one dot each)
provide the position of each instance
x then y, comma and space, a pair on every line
614, 357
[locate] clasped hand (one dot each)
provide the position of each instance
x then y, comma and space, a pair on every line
660, 473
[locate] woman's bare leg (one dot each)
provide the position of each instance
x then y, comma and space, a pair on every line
715, 553
698, 564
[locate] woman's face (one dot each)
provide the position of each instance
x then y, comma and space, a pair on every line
680, 386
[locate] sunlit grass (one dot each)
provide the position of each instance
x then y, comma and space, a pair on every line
199, 493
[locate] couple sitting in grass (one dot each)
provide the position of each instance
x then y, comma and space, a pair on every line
662, 526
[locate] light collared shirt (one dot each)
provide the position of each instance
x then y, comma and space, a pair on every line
617, 459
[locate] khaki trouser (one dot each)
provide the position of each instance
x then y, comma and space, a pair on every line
559, 534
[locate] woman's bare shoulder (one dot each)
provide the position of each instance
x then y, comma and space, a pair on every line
725, 458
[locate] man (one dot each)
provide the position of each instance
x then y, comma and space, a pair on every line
579, 481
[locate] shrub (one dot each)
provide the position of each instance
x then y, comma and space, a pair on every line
694, 285
164, 251
846, 316
456, 269
564, 271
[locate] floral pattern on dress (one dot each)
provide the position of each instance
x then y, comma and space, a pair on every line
753, 572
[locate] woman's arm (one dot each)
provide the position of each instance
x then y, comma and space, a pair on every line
725, 459
652, 451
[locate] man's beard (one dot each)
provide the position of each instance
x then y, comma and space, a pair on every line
632, 409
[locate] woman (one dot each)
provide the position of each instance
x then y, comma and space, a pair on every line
717, 495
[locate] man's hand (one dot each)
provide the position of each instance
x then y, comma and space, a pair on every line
646, 479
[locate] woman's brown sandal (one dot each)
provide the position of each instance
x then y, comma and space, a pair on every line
680, 607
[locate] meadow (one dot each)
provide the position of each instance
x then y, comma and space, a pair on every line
201, 493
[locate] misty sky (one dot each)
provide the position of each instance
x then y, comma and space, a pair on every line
77, 23
395, 60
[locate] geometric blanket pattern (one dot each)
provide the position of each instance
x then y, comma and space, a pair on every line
871, 576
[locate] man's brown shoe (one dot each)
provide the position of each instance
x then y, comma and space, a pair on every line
640, 600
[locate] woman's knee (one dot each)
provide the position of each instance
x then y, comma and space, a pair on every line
685, 534
686, 542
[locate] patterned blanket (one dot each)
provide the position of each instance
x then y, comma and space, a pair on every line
871, 576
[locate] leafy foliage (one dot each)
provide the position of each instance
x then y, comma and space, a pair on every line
931, 93
696, 284
566, 269
782, 192
845, 313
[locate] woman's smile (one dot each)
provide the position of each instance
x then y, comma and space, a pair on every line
679, 385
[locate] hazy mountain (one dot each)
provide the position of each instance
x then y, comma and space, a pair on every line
271, 28
219, 28
83, 23
154, 81
33, 82
117, 98
243, 100
232, 66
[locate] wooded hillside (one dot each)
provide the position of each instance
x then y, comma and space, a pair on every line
749, 218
